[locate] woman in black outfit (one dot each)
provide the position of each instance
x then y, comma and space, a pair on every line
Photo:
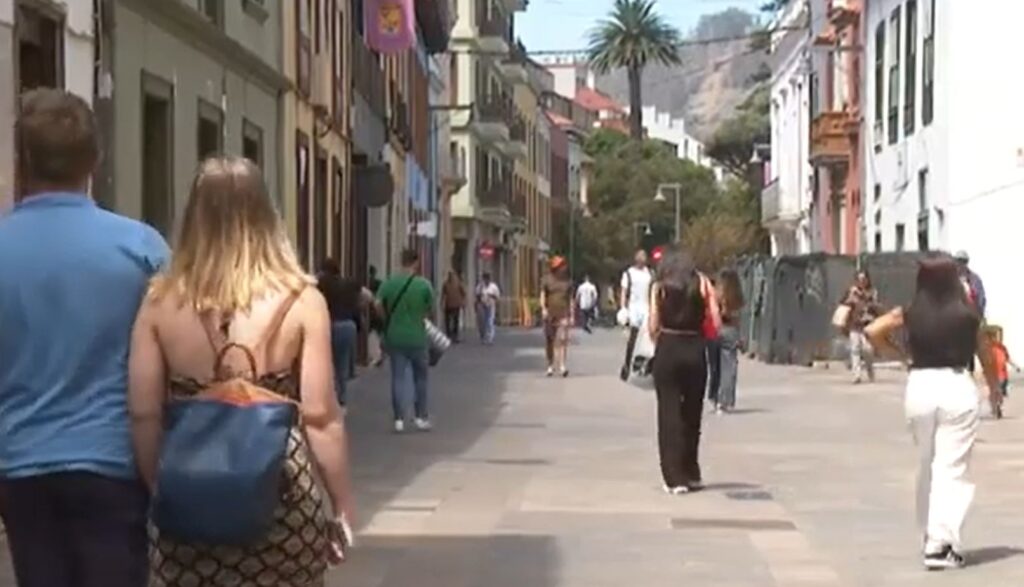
680, 300
345, 303
942, 404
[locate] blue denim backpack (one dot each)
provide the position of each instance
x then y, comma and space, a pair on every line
223, 454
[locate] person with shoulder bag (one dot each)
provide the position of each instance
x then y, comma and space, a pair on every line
684, 317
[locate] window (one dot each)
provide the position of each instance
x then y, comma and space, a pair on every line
878, 241
357, 18
318, 23
302, 190
879, 84
928, 65
252, 142
157, 156
910, 84
40, 49
303, 47
320, 211
900, 236
894, 76
213, 10
209, 131
338, 59
878, 192
922, 191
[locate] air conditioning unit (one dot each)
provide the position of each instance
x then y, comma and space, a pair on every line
323, 83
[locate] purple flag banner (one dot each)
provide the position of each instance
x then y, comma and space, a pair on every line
390, 25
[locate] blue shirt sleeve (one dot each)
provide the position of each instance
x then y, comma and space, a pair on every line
156, 254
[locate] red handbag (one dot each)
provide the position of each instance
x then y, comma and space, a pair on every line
708, 327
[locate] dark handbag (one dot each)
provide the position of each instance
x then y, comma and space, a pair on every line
222, 460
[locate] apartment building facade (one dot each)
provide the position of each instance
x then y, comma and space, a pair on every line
42, 44
484, 222
788, 197
190, 79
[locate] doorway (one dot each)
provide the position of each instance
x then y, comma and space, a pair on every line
157, 153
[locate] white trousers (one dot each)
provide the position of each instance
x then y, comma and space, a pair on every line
943, 410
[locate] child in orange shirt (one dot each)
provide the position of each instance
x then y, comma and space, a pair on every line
1001, 357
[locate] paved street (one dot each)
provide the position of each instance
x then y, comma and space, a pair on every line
542, 483
534, 482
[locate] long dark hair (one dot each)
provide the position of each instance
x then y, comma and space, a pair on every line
681, 299
732, 290
940, 308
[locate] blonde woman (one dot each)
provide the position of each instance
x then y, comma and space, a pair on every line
234, 277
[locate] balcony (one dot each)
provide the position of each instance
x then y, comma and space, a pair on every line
453, 169
776, 209
516, 147
518, 209
495, 199
844, 13
831, 138
367, 77
494, 34
492, 119
399, 121
513, 68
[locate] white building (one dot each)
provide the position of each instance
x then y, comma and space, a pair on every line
945, 147
664, 127
49, 44
788, 193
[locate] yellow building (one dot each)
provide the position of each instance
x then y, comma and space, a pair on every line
316, 156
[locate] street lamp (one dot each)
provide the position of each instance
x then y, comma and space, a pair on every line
677, 189
636, 231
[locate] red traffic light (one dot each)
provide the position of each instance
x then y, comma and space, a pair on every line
657, 253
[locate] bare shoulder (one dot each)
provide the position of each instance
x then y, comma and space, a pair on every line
311, 305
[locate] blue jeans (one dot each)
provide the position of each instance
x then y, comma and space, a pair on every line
343, 346
409, 368
728, 342
485, 316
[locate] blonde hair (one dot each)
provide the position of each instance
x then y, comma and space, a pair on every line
232, 248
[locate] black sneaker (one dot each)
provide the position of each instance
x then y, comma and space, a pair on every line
945, 559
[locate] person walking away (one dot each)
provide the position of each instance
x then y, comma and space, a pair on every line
374, 338
974, 287
556, 304
406, 300
487, 295
634, 303
454, 298
730, 299
1001, 360
234, 280
942, 330
683, 301
345, 307
586, 301
862, 298
72, 276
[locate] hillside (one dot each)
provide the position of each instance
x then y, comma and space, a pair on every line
713, 80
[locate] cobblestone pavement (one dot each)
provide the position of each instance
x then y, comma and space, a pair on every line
535, 482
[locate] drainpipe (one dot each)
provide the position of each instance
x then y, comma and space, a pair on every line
103, 182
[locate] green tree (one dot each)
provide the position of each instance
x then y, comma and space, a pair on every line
732, 144
632, 37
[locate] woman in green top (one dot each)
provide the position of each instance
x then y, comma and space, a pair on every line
406, 300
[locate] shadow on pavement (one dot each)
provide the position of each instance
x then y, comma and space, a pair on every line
992, 554
449, 561
466, 396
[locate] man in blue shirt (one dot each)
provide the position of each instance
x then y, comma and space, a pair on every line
72, 277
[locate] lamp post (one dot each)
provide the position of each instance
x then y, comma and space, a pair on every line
660, 197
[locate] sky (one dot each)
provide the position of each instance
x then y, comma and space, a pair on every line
563, 24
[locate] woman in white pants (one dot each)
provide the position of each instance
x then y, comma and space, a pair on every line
942, 402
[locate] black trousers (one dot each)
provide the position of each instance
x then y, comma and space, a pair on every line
680, 376
76, 530
630, 348
452, 321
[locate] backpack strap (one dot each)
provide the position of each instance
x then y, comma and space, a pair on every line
221, 343
278, 319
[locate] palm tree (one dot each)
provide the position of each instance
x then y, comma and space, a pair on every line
631, 37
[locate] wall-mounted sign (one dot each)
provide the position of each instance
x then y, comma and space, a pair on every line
390, 25
486, 251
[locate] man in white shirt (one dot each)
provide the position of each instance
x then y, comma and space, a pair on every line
634, 303
487, 296
586, 301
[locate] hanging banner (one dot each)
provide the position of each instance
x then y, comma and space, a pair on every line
390, 25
